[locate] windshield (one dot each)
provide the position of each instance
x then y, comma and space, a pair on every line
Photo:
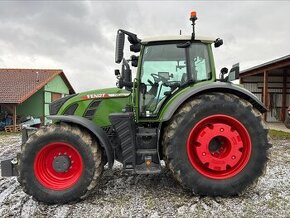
164, 70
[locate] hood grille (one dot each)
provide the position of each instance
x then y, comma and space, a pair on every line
91, 110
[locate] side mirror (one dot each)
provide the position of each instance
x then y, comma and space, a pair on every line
120, 40
234, 72
224, 71
218, 42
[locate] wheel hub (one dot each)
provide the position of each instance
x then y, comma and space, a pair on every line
219, 146
58, 165
215, 145
61, 163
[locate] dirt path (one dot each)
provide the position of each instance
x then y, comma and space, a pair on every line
124, 195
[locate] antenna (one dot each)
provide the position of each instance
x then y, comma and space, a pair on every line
179, 32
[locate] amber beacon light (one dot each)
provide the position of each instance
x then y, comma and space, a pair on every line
193, 18
193, 14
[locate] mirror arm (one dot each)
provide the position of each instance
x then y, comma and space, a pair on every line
133, 39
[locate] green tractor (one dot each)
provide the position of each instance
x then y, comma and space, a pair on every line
208, 131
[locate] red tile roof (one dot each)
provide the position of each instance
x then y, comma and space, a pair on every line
17, 85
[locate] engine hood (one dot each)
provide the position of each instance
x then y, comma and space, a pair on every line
104, 94
83, 99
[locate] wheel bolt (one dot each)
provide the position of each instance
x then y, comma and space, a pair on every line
69, 156
203, 153
221, 129
72, 162
59, 153
70, 167
64, 153
233, 157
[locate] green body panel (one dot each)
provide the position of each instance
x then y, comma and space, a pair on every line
107, 104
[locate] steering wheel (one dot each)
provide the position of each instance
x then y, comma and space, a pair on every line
171, 83
157, 78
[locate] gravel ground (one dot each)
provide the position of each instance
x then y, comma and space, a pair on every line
123, 195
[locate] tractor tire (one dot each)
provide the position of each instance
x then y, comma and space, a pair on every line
60, 164
216, 145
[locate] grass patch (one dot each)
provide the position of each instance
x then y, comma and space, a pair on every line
3, 133
277, 134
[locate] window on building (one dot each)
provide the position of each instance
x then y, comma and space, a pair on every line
55, 96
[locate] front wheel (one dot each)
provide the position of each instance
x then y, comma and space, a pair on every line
59, 164
216, 145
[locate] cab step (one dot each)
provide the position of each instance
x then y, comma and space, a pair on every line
144, 169
138, 144
147, 161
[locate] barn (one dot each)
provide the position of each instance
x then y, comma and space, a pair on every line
28, 92
270, 82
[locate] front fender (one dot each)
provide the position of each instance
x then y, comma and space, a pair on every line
214, 87
93, 128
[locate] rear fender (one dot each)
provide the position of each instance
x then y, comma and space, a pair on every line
97, 131
215, 87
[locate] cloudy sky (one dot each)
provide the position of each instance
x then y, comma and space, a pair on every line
79, 36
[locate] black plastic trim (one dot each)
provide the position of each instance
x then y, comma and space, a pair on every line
188, 65
56, 105
71, 109
93, 128
216, 87
124, 125
91, 110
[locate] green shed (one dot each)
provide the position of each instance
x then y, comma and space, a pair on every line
28, 92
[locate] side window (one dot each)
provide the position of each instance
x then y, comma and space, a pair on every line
200, 62
163, 67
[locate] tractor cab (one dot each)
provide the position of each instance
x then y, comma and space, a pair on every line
165, 66
168, 66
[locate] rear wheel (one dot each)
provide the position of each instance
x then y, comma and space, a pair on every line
216, 144
59, 164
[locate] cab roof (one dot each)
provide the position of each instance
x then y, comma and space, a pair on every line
177, 38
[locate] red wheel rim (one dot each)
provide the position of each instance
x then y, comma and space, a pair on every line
219, 146
48, 176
